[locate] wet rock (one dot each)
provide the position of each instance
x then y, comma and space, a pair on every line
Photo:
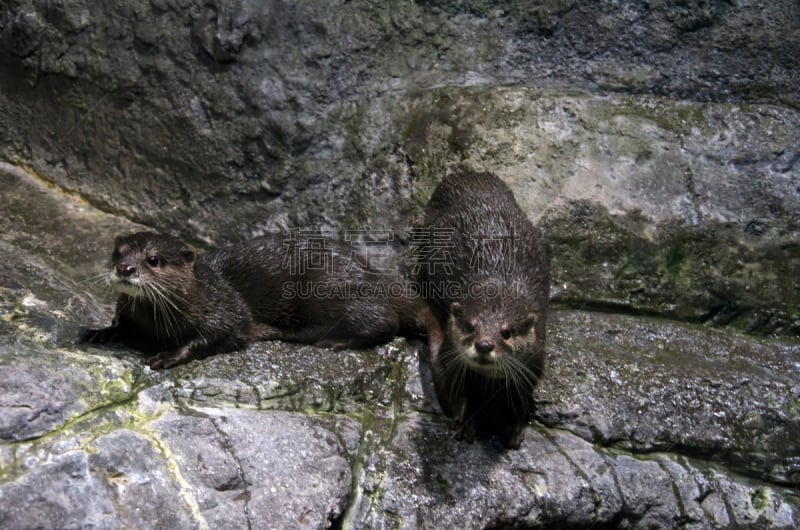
54, 248
209, 445
241, 115
645, 386
554, 479
42, 389
188, 466
252, 469
121, 483
34, 402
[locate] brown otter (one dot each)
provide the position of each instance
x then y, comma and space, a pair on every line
187, 306
484, 272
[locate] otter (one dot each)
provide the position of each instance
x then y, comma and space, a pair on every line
485, 275
315, 291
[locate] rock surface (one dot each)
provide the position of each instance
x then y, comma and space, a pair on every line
654, 142
641, 422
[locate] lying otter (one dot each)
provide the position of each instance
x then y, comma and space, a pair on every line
183, 305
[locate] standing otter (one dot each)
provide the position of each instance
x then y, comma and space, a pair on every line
186, 306
487, 278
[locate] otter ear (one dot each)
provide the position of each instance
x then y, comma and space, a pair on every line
529, 321
456, 310
188, 255
120, 240
120, 247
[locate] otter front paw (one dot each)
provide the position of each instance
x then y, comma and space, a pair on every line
333, 344
465, 430
514, 435
168, 359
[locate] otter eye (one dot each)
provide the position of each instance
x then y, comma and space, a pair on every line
468, 327
153, 261
506, 334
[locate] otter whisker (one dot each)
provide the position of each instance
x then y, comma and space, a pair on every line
153, 296
521, 381
170, 291
161, 315
454, 370
101, 279
164, 308
520, 377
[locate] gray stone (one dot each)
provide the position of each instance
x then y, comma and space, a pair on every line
43, 390
61, 493
555, 478
254, 469
642, 386
261, 108
208, 458
119, 481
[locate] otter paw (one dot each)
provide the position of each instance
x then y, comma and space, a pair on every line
515, 436
166, 359
465, 430
333, 344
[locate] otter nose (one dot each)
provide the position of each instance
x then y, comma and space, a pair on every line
125, 269
484, 347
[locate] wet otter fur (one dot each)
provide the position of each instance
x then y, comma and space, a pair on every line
184, 306
488, 282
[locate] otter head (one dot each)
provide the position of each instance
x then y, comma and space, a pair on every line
149, 265
493, 341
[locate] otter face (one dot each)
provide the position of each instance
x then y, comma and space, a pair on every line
144, 264
489, 344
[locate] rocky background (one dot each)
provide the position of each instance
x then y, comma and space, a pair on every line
655, 143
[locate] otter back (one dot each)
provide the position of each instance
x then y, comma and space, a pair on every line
316, 290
